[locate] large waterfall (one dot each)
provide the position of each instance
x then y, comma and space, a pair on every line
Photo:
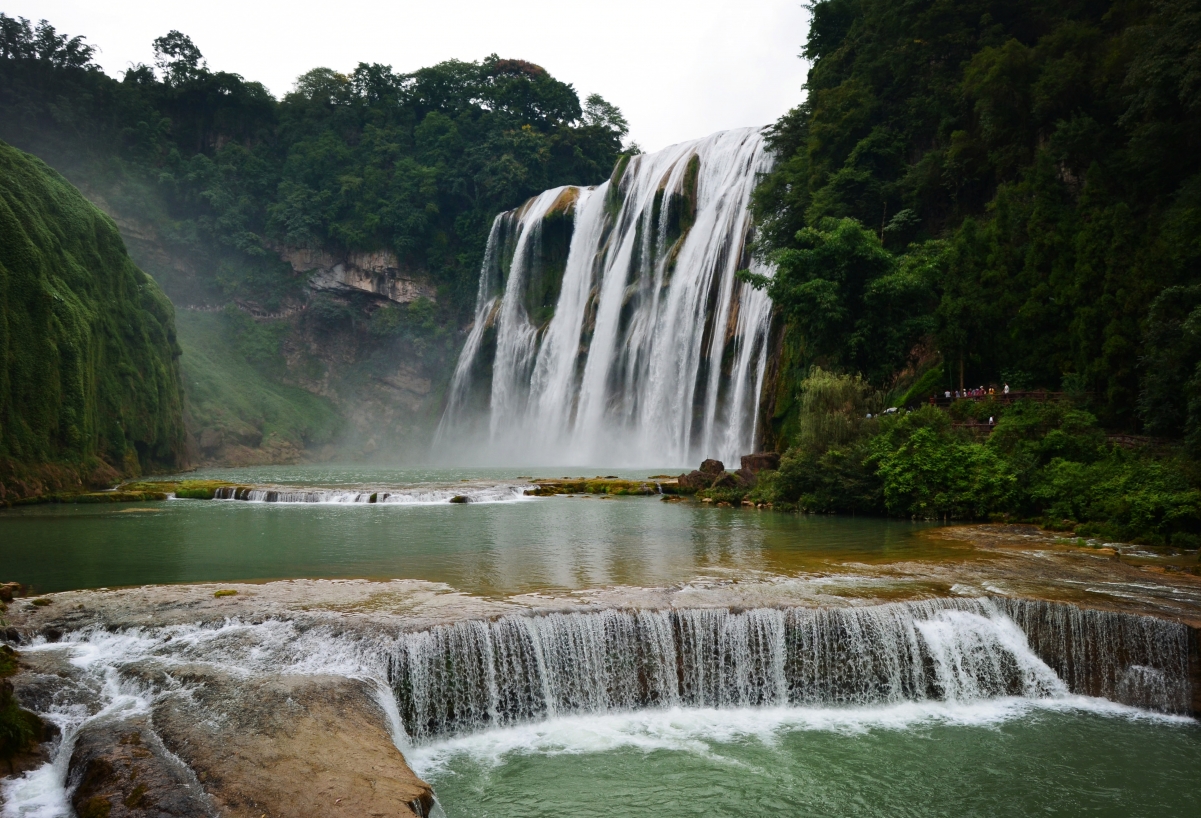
478, 674
610, 325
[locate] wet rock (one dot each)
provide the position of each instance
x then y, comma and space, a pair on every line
760, 461
9, 590
123, 770
713, 467
296, 746
462, 498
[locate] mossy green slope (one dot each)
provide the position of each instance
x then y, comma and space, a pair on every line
89, 385
236, 405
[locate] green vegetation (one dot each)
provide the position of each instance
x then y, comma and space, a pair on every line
1043, 462
1034, 172
417, 163
230, 397
89, 383
991, 192
214, 181
19, 729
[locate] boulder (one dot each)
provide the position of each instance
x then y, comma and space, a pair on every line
289, 745
746, 477
726, 481
713, 467
760, 461
695, 481
123, 771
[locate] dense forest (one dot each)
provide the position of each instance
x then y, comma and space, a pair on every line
89, 388
216, 184
978, 192
415, 163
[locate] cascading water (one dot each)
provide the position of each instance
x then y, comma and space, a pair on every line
610, 324
474, 675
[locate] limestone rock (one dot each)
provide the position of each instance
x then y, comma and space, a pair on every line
726, 481
295, 746
760, 461
123, 771
378, 272
694, 481
713, 467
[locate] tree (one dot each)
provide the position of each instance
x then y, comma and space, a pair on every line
178, 58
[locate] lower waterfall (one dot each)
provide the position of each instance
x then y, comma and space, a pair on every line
473, 675
610, 324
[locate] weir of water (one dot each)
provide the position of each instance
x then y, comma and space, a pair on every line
610, 324
499, 493
473, 675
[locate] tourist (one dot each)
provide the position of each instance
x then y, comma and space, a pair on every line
1006, 389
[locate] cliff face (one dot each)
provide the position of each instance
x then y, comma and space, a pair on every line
89, 376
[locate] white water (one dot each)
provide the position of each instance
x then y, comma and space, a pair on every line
422, 496
655, 353
672, 679
697, 730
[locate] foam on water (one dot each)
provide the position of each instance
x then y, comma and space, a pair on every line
676, 679
699, 730
416, 496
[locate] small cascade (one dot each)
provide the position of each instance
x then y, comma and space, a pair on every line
1136, 660
610, 325
501, 493
474, 675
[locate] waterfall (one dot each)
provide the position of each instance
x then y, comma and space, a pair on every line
473, 675
610, 326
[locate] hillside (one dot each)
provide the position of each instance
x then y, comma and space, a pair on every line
90, 387
1024, 181
977, 201
346, 221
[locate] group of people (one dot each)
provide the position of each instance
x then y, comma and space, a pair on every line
978, 392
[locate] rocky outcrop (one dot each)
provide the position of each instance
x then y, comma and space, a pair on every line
379, 273
296, 746
122, 770
214, 743
760, 461
713, 475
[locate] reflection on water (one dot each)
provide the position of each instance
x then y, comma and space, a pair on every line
554, 543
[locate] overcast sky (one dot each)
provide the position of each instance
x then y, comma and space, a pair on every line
678, 69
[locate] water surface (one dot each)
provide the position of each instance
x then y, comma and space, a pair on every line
499, 548
1007, 758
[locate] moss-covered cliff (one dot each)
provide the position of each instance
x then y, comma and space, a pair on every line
89, 382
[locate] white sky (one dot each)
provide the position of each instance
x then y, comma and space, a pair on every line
678, 69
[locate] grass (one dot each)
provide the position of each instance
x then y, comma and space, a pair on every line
235, 402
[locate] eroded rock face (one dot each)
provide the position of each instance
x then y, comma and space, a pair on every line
295, 746
124, 771
760, 461
377, 272
713, 467
207, 742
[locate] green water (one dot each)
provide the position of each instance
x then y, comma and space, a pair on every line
494, 548
1074, 763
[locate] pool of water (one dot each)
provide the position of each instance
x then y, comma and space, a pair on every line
497, 548
993, 758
